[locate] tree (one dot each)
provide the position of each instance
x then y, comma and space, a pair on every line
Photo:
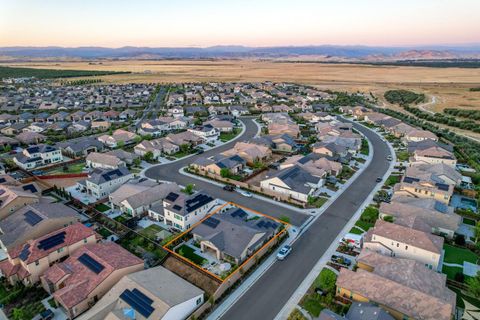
326, 280
120, 144
137, 139
225, 173
474, 285
184, 148
137, 162
148, 156
18, 314
197, 122
188, 188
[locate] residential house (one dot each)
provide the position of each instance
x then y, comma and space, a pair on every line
294, 182
417, 135
38, 156
119, 136
30, 137
103, 161
14, 197
398, 241
127, 114
28, 261
403, 287
34, 221
79, 126
439, 172
101, 183
277, 143
251, 152
435, 155
220, 125
288, 128
315, 164
100, 124
185, 138
231, 237
80, 147
157, 147
87, 275
206, 132
426, 215
13, 129
125, 156
234, 164
429, 189
183, 211
168, 295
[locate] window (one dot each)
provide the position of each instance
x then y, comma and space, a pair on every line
398, 244
199, 300
406, 247
37, 263
60, 250
84, 240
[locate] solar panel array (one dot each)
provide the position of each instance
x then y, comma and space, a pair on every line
32, 218
91, 263
112, 174
25, 252
442, 186
267, 224
52, 241
211, 222
177, 207
197, 201
30, 187
410, 179
239, 213
138, 301
172, 196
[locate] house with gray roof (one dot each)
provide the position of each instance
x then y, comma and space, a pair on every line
81, 146
231, 236
100, 183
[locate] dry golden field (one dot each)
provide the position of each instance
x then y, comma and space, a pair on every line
449, 86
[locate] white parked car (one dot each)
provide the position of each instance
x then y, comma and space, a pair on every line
245, 193
284, 252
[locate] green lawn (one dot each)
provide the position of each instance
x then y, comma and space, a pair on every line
364, 149
458, 255
468, 221
189, 253
355, 230
151, 231
402, 155
102, 207
72, 168
461, 295
392, 180
227, 136
317, 202
105, 233
181, 154
451, 271
313, 306
364, 225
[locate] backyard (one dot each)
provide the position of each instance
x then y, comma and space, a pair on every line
189, 253
21, 302
151, 231
71, 168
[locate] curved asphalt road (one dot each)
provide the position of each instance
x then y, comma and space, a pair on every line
270, 292
169, 172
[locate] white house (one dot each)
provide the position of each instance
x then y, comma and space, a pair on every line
38, 156
207, 132
101, 183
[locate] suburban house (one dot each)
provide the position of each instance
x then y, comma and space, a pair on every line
125, 156
119, 136
251, 152
152, 294
84, 277
34, 221
403, 242
157, 147
415, 187
30, 137
315, 164
278, 143
220, 125
206, 132
291, 129
38, 156
403, 287
28, 261
294, 182
14, 197
154, 128
234, 164
330, 149
136, 198
79, 126
426, 215
100, 183
439, 173
103, 161
434, 155
185, 138
80, 147
231, 237
358, 311
183, 211
416, 135
100, 124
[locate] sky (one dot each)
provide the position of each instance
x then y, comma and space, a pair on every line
202, 23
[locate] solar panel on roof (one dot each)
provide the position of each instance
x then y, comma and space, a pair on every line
211, 222
52, 241
261, 224
138, 301
177, 207
239, 213
410, 179
2, 180
32, 218
442, 186
91, 263
172, 196
197, 202
30, 187
25, 252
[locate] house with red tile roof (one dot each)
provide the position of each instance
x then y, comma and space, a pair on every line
88, 274
28, 261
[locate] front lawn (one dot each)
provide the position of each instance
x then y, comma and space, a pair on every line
317, 202
355, 230
402, 155
364, 225
364, 149
190, 254
392, 180
458, 255
227, 136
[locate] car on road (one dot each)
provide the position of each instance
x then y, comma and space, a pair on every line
341, 260
229, 187
284, 252
245, 193
200, 151
389, 158
379, 179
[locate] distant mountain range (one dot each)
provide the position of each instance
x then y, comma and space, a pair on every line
323, 52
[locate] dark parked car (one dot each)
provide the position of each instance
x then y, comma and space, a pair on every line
379, 179
229, 187
341, 260
46, 315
